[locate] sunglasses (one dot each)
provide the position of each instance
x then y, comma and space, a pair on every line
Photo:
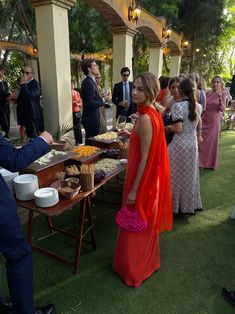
26, 72
126, 75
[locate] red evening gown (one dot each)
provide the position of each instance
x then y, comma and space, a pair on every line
137, 254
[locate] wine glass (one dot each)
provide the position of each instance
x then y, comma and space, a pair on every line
121, 123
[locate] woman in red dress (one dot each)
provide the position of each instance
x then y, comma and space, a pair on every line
147, 186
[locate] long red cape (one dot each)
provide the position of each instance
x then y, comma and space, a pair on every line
154, 198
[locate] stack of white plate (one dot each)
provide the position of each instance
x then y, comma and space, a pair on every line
25, 186
9, 178
46, 197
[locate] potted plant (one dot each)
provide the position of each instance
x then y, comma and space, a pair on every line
61, 136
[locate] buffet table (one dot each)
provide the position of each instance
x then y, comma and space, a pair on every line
85, 209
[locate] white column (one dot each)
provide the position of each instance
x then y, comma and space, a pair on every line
155, 60
122, 51
106, 76
54, 61
122, 55
175, 65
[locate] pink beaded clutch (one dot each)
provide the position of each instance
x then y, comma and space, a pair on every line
130, 220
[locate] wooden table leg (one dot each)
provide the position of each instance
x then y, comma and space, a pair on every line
90, 221
49, 223
79, 235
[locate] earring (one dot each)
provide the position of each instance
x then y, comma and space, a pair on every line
148, 101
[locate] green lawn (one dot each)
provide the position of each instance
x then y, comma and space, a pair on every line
197, 258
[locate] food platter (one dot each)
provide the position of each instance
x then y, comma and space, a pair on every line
54, 160
91, 158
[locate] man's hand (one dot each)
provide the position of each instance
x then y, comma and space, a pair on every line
122, 103
47, 137
107, 98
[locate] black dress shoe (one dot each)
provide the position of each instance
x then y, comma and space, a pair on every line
5, 305
47, 309
229, 295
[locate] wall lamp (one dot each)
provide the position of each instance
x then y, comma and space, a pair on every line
35, 51
184, 44
166, 32
134, 11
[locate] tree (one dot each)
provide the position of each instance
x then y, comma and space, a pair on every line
89, 31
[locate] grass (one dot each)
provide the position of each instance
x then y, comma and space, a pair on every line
197, 258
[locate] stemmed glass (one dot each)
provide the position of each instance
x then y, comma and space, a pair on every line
121, 123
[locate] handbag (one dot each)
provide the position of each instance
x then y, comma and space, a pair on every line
130, 220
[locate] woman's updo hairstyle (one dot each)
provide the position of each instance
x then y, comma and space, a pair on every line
150, 85
173, 80
187, 88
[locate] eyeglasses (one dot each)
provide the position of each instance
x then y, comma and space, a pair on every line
26, 72
126, 75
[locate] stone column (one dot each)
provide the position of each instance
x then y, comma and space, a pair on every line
175, 65
155, 59
54, 60
122, 51
106, 76
122, 55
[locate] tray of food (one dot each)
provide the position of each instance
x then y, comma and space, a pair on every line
107, 140
86, 153
50, 159
107, 165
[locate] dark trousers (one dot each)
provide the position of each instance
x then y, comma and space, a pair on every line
5, 119
18, 255
32, 127
77, 127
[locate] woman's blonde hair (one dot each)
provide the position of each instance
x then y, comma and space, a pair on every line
151, 88
150, 85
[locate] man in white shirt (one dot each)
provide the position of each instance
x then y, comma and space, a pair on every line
91, 98
122, 95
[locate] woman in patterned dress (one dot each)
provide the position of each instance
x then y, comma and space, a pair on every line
183, 151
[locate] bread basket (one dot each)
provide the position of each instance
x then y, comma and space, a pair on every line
68, 188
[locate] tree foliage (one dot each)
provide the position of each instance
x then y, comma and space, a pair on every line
89, 31
209, 25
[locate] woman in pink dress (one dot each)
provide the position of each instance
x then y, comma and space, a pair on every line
147, 187
211, 120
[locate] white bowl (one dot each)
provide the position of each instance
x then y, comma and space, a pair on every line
46, 197
123, 161
25, 186
9, 179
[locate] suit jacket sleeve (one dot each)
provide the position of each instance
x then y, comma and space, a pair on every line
5, 93
14, 159
31, 90
90, 95
115, 98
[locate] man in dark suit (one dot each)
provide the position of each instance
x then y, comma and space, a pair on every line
122, 95
13, 244
29, 111
4, 104
91, 98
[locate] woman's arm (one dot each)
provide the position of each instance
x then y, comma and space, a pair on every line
144, 130
199, 131
175, 128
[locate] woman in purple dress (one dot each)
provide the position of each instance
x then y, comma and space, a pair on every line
211, 120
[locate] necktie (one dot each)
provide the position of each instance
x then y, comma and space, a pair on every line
127, 96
